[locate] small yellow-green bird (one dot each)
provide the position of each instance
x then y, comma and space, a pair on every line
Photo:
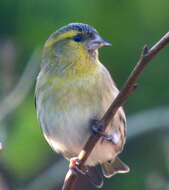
73, 89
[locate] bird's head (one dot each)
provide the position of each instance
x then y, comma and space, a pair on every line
73, 43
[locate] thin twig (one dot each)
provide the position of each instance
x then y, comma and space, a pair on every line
128, 88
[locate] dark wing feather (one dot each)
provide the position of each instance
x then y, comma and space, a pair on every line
95, 177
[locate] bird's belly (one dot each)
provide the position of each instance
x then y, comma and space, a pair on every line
67, 132
65, 119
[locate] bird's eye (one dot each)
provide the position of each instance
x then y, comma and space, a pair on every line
77, 38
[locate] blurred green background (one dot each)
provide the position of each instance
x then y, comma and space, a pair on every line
27, 162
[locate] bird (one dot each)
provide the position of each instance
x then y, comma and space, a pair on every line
74, 89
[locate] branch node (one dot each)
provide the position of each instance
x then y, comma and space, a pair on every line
145, 50
135, 86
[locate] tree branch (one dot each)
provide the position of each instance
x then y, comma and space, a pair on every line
128, 88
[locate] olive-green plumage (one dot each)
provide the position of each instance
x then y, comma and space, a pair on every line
73, 88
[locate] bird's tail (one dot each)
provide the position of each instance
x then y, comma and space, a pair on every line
113, 167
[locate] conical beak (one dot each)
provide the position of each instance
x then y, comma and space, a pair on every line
97, 42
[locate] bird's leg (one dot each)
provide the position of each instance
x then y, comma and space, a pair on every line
96, 130
74, 166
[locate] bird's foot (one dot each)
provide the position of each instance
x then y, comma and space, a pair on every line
74, 167
96, 130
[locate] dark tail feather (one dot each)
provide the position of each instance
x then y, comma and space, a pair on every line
113, 167
95, 177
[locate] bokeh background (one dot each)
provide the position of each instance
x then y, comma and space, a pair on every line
27, 162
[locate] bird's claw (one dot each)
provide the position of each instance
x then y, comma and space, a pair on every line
94, 127
74, 167
96, 130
